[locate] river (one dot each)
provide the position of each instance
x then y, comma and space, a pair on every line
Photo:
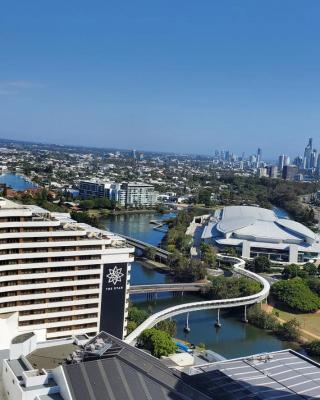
16, 181
233, 339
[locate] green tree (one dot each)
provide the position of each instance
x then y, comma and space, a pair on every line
131, 326
201, 346
204, 197
296, 294
86, 204
227, 288
231, 251
291, 271
313, 348
260, 318
314, 284
84, 217
260, 264
168, 326
289, 331
159, 343
137, 315
150, 253
208, 255
171, 248
310, 269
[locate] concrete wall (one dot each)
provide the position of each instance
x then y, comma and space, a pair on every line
11, 383
8, 329
24, 348
60, 378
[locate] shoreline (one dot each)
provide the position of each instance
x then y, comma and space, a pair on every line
151, 264
106, 213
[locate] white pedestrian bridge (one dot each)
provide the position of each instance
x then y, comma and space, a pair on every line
238, 268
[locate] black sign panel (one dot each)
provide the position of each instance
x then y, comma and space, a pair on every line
113, 298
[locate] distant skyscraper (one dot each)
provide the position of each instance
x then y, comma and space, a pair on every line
308, 155
314, 159
283, 160
289, 172
253, 159
258, 159
318, 165
298, 161
272, 171
134, 154
262, 172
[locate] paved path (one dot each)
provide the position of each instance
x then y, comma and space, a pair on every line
269, 308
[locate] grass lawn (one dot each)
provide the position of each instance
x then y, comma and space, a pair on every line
96, 213
308, 322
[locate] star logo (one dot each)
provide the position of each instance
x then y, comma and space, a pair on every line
115, 275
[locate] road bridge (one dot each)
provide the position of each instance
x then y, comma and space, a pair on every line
168, 287
238, 267
139, 244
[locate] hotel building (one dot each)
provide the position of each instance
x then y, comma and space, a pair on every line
58, 277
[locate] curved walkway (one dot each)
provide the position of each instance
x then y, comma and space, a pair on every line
168, 287
238, 267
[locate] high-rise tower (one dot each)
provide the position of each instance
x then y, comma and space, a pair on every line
308, 155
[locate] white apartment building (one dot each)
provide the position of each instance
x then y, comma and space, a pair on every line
127, 194
139, 194
59, 277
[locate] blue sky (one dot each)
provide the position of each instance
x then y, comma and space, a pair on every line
186, 76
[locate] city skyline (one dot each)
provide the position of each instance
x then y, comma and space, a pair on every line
273, 158
161, 76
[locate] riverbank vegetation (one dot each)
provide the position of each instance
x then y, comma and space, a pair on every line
289, 330
176, 239
86, 218
97, 204
313, 348
178, 243
296, 294
157, 340
185, 269
232, 287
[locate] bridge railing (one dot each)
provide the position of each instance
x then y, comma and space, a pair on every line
144, 244
167, 287
238, 266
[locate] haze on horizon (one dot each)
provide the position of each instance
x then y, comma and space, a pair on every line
176, 76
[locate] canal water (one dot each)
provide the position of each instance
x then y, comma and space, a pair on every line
233, 339
16, 181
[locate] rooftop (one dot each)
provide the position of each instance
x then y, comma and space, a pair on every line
284, 374
260, 224
107, 368
51, 357
22, 338
125, 372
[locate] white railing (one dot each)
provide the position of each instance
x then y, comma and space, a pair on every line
238, 267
